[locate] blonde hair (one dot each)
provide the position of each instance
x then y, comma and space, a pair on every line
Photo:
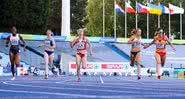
49, 31
79, 31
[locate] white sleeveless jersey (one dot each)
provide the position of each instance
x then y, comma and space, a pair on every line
14, 40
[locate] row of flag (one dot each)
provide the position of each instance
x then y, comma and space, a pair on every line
149, 9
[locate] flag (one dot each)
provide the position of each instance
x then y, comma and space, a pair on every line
175, 9
118, 8
165, 10
129, 8
155, 9
142, 9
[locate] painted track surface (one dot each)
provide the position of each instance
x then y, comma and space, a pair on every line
90, 87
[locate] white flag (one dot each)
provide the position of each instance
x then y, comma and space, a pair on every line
175, 9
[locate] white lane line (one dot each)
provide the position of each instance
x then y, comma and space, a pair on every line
62, 94
101, 79
93, 96
99, 90
77, 89
134, 87
126, 84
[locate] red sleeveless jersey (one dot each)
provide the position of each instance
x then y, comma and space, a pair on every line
160, 43
81, 44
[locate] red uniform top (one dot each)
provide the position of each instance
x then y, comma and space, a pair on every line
81, 44
160, 43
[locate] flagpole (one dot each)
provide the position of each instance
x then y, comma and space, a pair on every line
180, 23
136, 16
114, 21
159, 25
147, 24
104, 18
169, 25
125, 20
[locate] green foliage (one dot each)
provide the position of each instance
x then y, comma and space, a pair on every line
25, 14
78, 14
54, 16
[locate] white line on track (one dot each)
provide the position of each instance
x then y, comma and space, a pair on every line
92, 96
128, 86
101, 80
102, 90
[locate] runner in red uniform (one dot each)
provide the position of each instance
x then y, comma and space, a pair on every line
160, 40
81, 57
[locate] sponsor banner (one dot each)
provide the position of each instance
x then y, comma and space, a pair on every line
4, 35
179, 69
28, 36
69, 38
122, 40
22, 71
146, 40
102, 67
37, 37
107, 39
60, 38
94, 39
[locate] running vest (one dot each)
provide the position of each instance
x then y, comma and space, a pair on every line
135, 44
81, 44
161, 42
48, 42
14, 40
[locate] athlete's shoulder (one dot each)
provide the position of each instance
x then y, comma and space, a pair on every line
132, 37
9, 36
52, 39
85, 38
19, 36
165, 37
156, 38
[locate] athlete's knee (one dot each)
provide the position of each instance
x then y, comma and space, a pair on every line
159, 64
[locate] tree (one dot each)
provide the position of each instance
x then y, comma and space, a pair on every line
54, 16
78, 14
28, 15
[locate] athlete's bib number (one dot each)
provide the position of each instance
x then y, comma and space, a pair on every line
137, 45
47, 43
81, 45
159, 45
14, 42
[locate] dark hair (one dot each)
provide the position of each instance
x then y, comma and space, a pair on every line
160, 30
134, 31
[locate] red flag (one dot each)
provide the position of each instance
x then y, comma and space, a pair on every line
129, 8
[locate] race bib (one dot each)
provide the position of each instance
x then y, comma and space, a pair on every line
14, 42
137, 45
81, 45
47, 43
159, 45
